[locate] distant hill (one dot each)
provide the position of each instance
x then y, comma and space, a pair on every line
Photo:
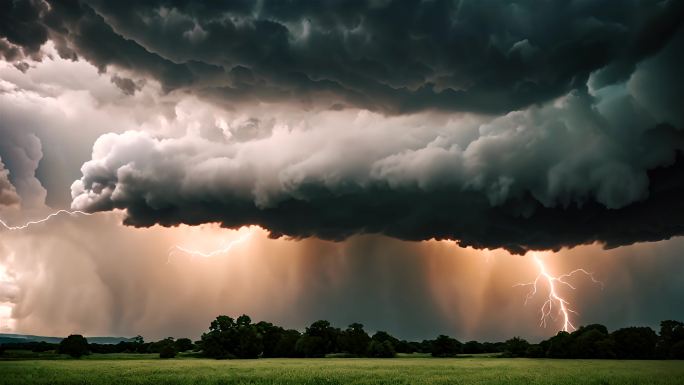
19, 338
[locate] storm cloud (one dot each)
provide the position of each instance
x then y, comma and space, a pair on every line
498, 124
386, 56
592, 166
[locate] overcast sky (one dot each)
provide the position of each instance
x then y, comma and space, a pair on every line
394, 163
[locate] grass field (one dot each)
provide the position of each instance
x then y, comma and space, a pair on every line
114, 369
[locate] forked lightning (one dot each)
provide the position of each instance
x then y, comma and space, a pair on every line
554, 297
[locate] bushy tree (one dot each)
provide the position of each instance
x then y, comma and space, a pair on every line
445, 346
493, 347
328, 335
138, 344
184, 344
671, 334
228, 338
404, 346
270, 337
558, 346
354, 340
594, 341
635, 342
473, 347
425, 346
379, 349
535, 351
249, 344
382, 336
318, 340
591, 341
310, 346
286, 346
74, 345
42, 346
677, 351
156, 347
516, 347
277, 342
217, 343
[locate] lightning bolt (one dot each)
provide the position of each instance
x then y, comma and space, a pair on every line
554, 298
47, 218
223, 250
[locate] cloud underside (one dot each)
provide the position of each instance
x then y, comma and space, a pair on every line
446, 214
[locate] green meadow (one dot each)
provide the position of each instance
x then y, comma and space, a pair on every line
132, 369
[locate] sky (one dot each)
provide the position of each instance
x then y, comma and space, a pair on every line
403, 164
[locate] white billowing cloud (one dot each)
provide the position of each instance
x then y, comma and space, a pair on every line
51, 115
8, 194
562, 153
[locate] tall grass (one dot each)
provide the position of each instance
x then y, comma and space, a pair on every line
409, 371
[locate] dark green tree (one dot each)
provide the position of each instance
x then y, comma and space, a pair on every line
558, 346
671, 333
379, 349
270, 337
591, 341
228, 338
425, 346
677, 351
382, 336
404, 346
445, 346
248, 344
286, 344
328, 335
138, 344
635, 343
156, 347
74, 345
516, 347
310, 346
184, 344
168, 351
535, 351
354, 340
218, 342
473, 347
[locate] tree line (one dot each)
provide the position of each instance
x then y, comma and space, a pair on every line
241, 338
594, 341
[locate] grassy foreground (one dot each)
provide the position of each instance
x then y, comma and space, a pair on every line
125, 370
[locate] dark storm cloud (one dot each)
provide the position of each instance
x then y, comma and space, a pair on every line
594, 166
389, 56
76, 29
582, 142
22, 28
126, 85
